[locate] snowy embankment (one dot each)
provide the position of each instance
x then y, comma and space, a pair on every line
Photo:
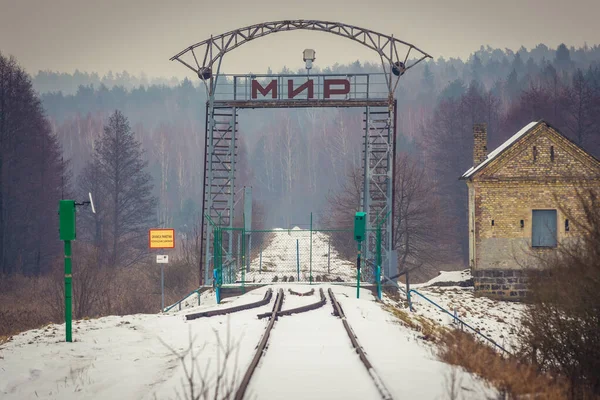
125, 357
308, 356
453, 290
285, 250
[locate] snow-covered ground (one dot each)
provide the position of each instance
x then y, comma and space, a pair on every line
283, 250
209, 300
497, 319
309, 355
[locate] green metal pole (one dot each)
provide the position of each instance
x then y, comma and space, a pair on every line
358, 273
378, 269
244, 259
162, 288
310, 257
216, 262
298, 258
68, 292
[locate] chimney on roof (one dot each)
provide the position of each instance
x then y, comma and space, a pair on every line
480, 143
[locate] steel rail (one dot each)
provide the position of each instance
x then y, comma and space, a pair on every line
266, 300
298, 310
339, 312
239, 395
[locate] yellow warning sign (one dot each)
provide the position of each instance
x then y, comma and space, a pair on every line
161, 238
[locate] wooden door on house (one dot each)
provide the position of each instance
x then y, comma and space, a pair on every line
543, 228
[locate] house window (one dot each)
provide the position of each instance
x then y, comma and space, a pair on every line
534, 153
552, 153
543, 228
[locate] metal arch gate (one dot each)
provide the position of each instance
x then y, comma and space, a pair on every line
219, 177
221, 123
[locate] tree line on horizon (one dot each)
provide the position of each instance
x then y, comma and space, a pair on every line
297, 160
34, 176
142, 151
487, 61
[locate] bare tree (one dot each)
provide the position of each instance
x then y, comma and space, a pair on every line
561, 321
199, 383
448, 147
91, 225
580, 109
420, 235
453, 383
420, 231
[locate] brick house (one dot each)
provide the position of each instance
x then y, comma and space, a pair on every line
514, 194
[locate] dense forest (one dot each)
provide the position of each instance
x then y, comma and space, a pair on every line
138, 145
297, 159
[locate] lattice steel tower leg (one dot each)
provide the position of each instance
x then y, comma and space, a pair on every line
219, 189
378, 178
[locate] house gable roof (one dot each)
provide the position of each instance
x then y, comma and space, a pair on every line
501, 149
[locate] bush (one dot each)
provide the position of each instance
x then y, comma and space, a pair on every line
31, 302
24, 303
514, 378
562, 322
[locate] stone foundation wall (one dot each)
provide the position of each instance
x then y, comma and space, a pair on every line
506, 284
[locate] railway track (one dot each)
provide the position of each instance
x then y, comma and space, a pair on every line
239, 395
338, 312
278, 312
266, 300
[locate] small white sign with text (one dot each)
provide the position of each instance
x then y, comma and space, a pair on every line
162, 259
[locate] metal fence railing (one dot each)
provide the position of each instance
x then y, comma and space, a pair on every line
299, 255
241, 257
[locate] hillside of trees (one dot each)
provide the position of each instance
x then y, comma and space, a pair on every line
297, 159
138, 145
33, 176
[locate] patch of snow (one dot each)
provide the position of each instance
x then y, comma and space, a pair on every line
308, 354
446, 277
404, 362
279, 258
500, 149
497, 319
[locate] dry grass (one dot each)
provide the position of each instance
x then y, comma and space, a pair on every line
24, 305
516, 378
32, 302
430, 330
512, 376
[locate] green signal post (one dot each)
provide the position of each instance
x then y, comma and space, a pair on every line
66, 212
360, 230
66, 231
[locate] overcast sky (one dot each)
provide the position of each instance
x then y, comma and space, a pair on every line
141, 35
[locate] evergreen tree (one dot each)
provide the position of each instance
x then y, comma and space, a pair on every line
518, 64
428, 79
476, 67
563, 57
455, 89
32, 175
118, 171
512, 85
